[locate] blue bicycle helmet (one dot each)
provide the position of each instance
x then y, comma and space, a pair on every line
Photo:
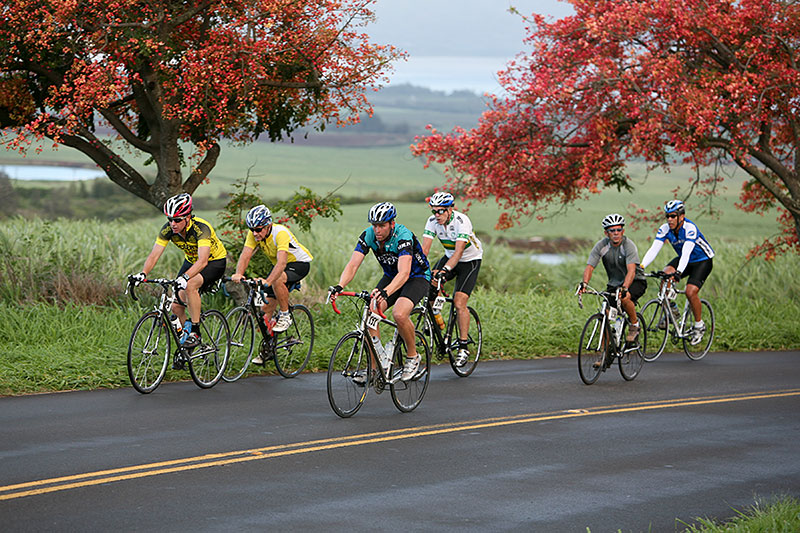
258, 216
382, 212
674, 206
442, 199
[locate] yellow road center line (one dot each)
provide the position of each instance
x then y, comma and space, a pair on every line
227, 458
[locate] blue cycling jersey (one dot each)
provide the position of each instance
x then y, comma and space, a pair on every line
402, 242
688, 232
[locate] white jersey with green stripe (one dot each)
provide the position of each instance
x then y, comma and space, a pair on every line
458, 228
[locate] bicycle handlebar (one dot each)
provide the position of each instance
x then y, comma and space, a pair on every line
364, 295
164, 282
255, 283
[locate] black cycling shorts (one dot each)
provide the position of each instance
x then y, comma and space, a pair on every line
212, 272
295, 271
696, 272
636, 290
465, 272
413, 289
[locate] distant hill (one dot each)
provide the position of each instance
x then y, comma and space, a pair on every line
401, 113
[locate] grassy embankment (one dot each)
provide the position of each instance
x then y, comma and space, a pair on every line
48, 342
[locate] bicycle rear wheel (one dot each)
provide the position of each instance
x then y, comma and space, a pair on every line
592, 349
631, 360
207, 361
242, 326
407, 395
475, 338
148, 352
654, 317
348, 359
293, 346
699, 350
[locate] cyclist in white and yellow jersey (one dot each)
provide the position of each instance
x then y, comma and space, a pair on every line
290, 261
462, 260
203, 265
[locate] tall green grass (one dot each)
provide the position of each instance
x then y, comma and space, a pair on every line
48, 341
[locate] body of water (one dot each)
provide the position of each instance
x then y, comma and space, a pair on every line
50, 173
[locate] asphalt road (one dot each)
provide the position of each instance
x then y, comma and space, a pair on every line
518, 446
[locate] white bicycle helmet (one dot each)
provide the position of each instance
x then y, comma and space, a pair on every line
179, 205
674, 206
614, 219
382, 212
442, 199
258, 216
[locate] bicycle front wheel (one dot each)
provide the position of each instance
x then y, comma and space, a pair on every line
148, 352
592, 349
631, 360
407, 395
293, 346
349, 361
699, 350
208, 360
475, 342
242, 326
655, 323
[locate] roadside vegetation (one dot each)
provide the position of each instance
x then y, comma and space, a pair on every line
781, 515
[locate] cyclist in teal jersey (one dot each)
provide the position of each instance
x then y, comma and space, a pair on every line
405, 280
695, 258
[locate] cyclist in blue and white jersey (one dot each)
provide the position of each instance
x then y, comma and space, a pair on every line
695, 258
406, 275
463, 253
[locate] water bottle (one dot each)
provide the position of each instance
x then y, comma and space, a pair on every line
618, 326
380, 351
176, 324
388, 351
187, 328
675, 312
439, 319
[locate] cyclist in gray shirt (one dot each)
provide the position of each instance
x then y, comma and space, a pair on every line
621, 260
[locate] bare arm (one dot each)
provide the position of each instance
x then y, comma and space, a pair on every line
241, 265
152, 259
351, 268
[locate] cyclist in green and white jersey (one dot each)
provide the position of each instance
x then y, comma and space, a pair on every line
462, 260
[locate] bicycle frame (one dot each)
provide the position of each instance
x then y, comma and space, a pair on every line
164, 308
667, 292
441, 339
606, 310
370, 320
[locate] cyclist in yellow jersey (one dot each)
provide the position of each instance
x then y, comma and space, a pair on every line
290, 259
203, 265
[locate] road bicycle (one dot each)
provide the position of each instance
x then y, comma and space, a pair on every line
354, 366
444, 339
290, 349
151, 343
603, 340
663, 319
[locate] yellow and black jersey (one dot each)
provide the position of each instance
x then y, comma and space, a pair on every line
198, 233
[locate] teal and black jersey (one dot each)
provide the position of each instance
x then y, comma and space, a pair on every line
402, 242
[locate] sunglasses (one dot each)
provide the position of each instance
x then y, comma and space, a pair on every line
614, 230
438, 211
672, 215
258, 230
175, 219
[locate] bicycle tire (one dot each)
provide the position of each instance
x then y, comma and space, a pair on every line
593, 347
656, 338
243, 335
349, 357
147, 364
631, 359
208, 360
697, 352
475, 344
293, 347
407, 395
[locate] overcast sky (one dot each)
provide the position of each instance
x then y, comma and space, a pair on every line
455, 44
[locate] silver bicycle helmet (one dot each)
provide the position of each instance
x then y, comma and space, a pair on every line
614, 219
674, 206
382, 212
258, 216
442, 199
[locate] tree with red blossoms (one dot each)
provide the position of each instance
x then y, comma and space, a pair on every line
164, 75
670, 81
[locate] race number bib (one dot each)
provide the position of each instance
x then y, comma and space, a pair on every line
438, 303
373, 320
